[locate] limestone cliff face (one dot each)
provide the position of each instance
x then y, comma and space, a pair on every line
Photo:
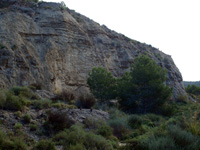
44, 43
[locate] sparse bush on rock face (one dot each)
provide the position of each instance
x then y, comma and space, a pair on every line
86, 101
35, 86
41, 104
58, 121
66, 96
22, 92
26, 118
2, 98
13, 102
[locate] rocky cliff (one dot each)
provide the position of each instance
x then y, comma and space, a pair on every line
57, 47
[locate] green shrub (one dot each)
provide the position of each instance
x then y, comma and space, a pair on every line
1, 45
159, 143
102, 84
77, 137
35, 86
22, 92
33, 127
2, 98
120, 127
146, 90
93, 124
93, 141
135, 121
182, 99
41, 104
105, 131
66, 96
18, 126
78, 146
167, 109
61, 105
192, 123
26, 118
86, 101
182, 138
193, 89
18, 114
154, 117
44, 145
19, 144
13, 143
13, 102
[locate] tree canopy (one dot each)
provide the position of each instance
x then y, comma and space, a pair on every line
141, 90
102, 84
147, 88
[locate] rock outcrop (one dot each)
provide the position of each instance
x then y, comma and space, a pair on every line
49, 44
9, 119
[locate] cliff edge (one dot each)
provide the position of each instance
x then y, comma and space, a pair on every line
49, 44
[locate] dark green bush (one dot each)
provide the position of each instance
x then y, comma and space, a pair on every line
182, 99
13, 143
140, 91
102, 84
33, 127
66, 96
154, 117
135, 121
93, 124
183, 138
105, 131
58, 121
14, 102
2, 98
1, 6
44, 145
146, 90
76, 137
159, 143
167, 109
86, 101
193, 89
19, 144
61, 105
78, 146
35, 86
26, 118
41, 104
120, 127
22, 92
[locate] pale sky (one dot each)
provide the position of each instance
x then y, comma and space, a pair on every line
172, 26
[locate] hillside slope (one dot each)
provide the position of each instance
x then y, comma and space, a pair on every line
57, 47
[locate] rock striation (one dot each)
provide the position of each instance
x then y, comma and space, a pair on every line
49, 44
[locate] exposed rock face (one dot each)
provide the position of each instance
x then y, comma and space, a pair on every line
79, 115
44, 43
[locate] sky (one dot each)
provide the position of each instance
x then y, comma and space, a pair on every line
172, 26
